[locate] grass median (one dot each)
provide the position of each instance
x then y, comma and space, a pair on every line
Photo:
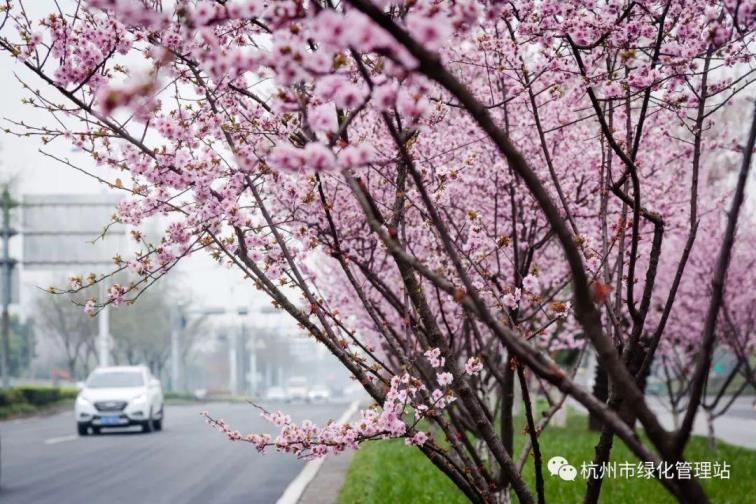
390, 471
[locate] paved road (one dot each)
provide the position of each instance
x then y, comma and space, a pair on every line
189, 462
737, 426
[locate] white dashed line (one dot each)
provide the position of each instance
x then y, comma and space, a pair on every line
61, 439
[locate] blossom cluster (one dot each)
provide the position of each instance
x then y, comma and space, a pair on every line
308, 440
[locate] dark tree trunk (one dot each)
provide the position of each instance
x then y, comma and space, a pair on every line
600, 392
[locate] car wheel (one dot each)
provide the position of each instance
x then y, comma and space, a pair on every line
157, 424
147, 425
82, 429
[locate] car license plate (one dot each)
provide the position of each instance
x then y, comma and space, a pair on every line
110, 420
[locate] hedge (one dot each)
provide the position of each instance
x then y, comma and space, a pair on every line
180, 396
10, 396
28, 398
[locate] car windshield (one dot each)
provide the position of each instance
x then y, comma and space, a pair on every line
116, 379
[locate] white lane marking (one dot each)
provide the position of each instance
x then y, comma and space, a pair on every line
296, 488
61, 439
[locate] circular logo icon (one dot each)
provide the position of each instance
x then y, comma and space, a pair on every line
567, 472
555, 463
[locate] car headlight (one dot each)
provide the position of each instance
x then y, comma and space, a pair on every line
83, 400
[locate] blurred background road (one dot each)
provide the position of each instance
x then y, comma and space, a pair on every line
44, 461
737, 426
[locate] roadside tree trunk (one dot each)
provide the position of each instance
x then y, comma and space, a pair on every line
600, 392
710, 430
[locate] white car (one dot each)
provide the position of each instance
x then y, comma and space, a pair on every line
275, 394
119, 396
297, 389
319, 393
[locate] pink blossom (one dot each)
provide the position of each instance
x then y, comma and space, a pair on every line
318, 157
512, 299
90, 307
330, 29
434, 357
116, 293
411, 104
339, 90
473, 366
384, 96
140, 266
530, 283
418, 439
206, 11
353, 156
286, 157
444, 378
613, 90
322, 118
429, 31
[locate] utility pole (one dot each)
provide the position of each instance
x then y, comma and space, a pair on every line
240, 345
8, 264
179, 316
233, 362
103, 329
252, 345
30, 344
178, 323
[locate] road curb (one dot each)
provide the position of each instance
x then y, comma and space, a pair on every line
296, 488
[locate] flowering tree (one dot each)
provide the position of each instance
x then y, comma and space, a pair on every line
443, 193
736, 331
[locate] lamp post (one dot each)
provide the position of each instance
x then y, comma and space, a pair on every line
8, 265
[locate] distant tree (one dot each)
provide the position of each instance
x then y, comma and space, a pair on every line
62, 322
21, 346
145, 337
